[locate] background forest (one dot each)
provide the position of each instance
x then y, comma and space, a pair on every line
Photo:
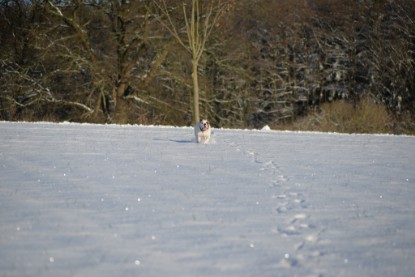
330, 65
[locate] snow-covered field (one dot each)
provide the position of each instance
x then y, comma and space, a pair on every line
105, 200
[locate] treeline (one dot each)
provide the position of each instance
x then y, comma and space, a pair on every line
266, 61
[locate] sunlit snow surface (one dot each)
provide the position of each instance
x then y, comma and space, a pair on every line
104, 200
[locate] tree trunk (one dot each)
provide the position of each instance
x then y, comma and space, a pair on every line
196, 114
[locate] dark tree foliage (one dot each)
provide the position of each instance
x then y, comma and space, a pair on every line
266, 61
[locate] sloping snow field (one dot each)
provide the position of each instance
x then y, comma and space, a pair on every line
105, 200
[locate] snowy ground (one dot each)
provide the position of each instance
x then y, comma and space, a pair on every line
94, 200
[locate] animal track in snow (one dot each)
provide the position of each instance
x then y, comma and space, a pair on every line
290, 207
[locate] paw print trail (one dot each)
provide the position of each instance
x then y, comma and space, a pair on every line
294, 221
294, 226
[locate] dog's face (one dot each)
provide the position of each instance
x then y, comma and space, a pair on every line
204, 125
202, 131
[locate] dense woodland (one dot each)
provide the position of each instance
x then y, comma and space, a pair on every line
271, 62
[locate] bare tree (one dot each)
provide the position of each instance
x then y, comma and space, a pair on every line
23, 82
198, 26
112, 46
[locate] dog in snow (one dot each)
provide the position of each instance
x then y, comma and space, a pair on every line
202, 131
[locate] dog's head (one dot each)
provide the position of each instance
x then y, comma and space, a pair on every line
204, 125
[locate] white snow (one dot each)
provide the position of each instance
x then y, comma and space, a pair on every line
266, 128
106, 200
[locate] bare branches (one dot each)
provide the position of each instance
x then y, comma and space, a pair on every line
198, 26
32, 91
198, 29
73, 23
